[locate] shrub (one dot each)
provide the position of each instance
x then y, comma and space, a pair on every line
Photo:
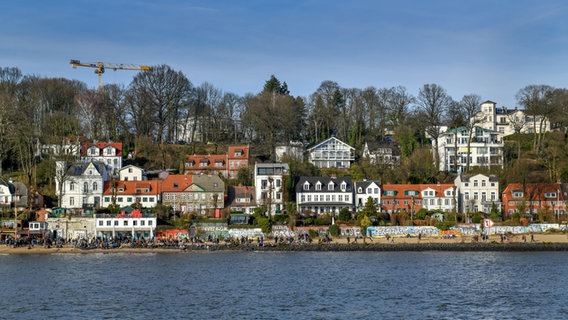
334, 230
344, 215
264, 224
280, 218
323, 221
444, 225
476, 218
313, 233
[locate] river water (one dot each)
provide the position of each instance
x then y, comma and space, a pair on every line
286, 285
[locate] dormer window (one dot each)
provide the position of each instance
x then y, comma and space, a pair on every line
343, 186
330, 186
175, 185
518, 194
306, 186
238, 153
318, 186
360, 190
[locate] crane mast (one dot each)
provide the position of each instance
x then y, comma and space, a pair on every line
101, 66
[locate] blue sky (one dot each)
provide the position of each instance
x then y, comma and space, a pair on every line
488, 47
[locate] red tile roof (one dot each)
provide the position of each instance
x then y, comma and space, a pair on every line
101, 146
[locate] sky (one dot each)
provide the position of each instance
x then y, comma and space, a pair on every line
492, 48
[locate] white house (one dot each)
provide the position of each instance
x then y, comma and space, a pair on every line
365, 190
332, 153
382, 153
486, 149
134, 225
145, 193
294, 149
269, 185
438, 197
477, 193
109, 153
508, 121
131, 173
324, 195
80, 185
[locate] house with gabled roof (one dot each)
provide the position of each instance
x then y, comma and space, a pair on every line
382, 153
533, 198
228, 164
477, 193
199, 194
332, 153
367, 189
324, 195
109, 153
241, 199
401, 197
131, 173
237, 157
438, 196
145, 193
507, 121
80, 185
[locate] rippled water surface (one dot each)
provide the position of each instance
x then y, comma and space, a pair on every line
291, 285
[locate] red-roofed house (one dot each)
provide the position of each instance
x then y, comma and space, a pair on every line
413, 197
533, 198
201, 194
226, 164
109, 153
238, 157
401, 197
124, 193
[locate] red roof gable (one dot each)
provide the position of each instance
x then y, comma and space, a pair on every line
176, 182
101, 146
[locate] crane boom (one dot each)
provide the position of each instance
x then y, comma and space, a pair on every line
101, 66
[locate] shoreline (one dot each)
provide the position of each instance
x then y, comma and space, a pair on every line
543, 242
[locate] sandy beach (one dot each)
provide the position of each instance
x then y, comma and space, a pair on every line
545, 241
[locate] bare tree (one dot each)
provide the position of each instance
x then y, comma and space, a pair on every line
433, 102
538, 103
163, 93
470, 104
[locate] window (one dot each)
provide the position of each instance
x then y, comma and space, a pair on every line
330, 186
72, 201
347, 198
100, 223
125, 223
142, 222
71, 186
149, 222
85, 187
483, 183
108, 223
129, 199
475, 183
95, 186
306, 186
116, 222
318, 186
278, 183
340, 198
134, 223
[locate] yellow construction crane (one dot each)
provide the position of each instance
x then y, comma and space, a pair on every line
101, 66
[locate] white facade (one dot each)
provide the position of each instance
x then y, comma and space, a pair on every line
507, 121
294, 150
477, 193
386, 153
83, 185
269, 185
439, 197
109, 155
113, 226
332, 153
324, 195
131, 173
365, 190
486, 149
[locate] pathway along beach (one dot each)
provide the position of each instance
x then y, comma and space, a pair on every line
543, 242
